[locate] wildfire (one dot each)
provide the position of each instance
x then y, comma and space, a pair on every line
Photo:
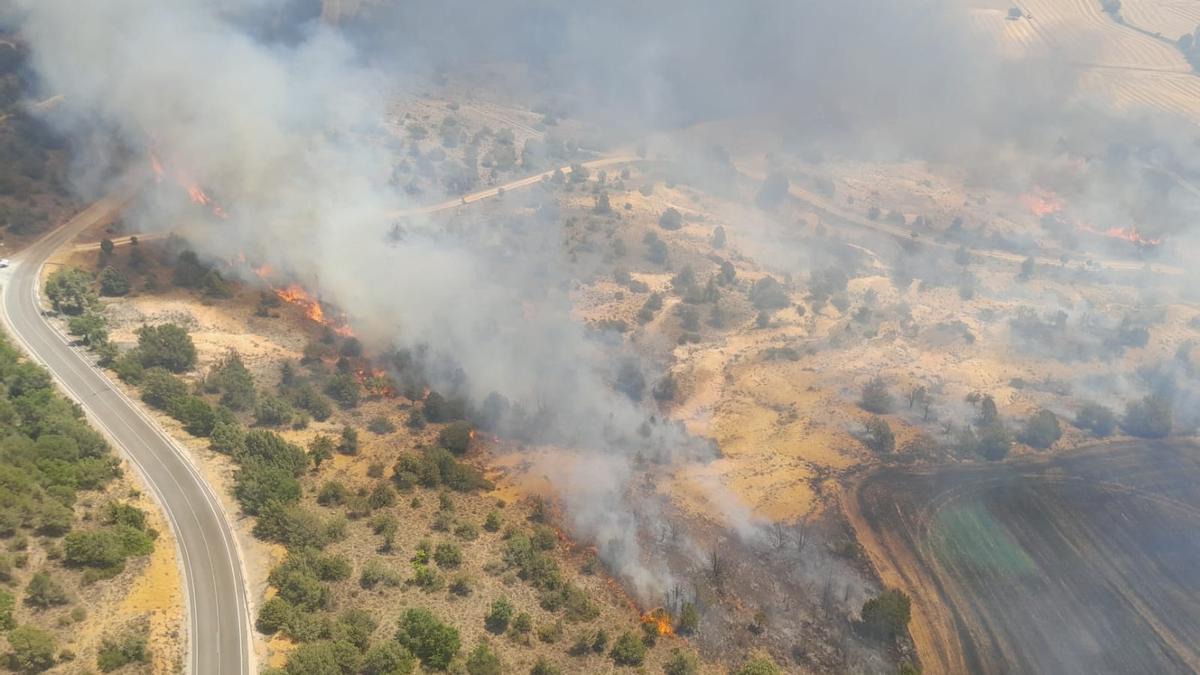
662, 620
294, 294
194, 192
376, 382
1042, 202
1129, 234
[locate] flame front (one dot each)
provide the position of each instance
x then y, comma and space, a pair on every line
1130, 234
661, 619
1042, 202
294, 294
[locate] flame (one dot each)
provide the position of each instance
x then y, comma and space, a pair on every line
1042, 202
662, 619
294, 294
194, 192
1130, 234
471, 434
376, 382
156, 164
263, 271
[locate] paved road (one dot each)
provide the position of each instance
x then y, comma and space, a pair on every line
218, 615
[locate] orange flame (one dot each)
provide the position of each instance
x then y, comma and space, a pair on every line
662, 620
471, 434
376, 382
1129, 234
294, 294
1042, 202
193, 189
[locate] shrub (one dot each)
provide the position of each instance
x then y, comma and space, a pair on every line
377, 572
682, 662
432, 641
273, 411
492, 523
879, 437
628, 650
113, 282
499, 616
888, 613
456, 437
32, 650
1148, 418
44, 592
875, 397
70, 291
670, 219
1041, 431
381, 425
689, 619
1097, 419
166, 346
544, 667
762, 665
484, 661
117, 654
388, 658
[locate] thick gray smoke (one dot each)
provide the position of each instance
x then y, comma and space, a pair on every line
279, 116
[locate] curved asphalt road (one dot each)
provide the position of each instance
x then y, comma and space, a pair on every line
218, 619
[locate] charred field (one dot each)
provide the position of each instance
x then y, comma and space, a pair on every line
1079, 563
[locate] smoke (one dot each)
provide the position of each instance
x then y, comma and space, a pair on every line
281, 118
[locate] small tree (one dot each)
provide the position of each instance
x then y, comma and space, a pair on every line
32, 650
1148, 418
762, 665
168, 346
670, 219
433, 642
70, 291
689, 619
879, 437
1041, 431
113, 282
772, 192
629, 650
682, 662
499, 617
1097, 419
875, 397
484, 661
718, 237
456, 437
888, 613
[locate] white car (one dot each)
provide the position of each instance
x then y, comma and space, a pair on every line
3, 263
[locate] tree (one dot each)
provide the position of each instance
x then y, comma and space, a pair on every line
603, 205
233, 380
628, 650
32, 650
388, 658
1148, 418
682, 662
879, 437
499, 616
1027, 267
1097, 419
113, 282
70, 291
44, 592
630, 380
7, 605
167, 346
1041, 430
273, 411
772, 192
483, 661
432, 641
888, 613
718, 237
768, 294
689, 619
89, 327
544, 667
670, 219
875, 397
349, 441
344, 389
320, 449
456, 437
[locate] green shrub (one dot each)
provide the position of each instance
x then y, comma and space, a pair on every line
629, 650
888, 613
433, 642
166, 346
